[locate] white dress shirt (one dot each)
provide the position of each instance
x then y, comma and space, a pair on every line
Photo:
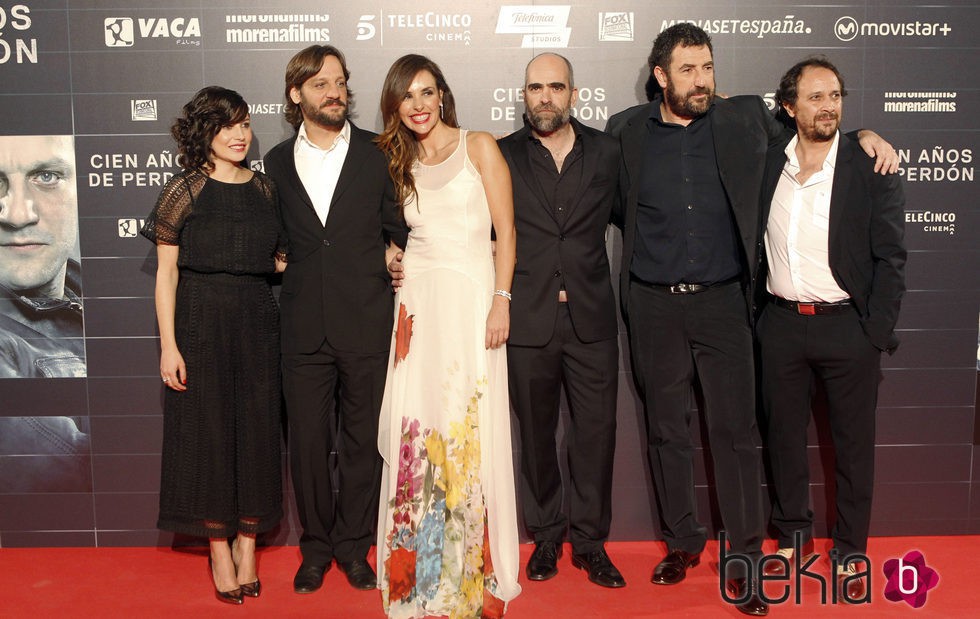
319, 168
797, 232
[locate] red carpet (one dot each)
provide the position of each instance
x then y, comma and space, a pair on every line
158, 582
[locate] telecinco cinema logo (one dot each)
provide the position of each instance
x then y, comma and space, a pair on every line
125, 31
542, 26
847, 28
452, 28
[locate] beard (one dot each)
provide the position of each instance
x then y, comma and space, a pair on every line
685, 106
544, 123
816, 132
325, 116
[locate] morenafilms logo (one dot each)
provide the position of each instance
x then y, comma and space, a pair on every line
847, 28
924, 101
276, 28
542, 26
909, 579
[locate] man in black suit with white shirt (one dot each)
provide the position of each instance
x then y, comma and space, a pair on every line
338, 212
834, 278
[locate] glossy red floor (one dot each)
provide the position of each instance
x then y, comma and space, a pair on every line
159, 582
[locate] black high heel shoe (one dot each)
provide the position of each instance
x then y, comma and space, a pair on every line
229, 597
251, 589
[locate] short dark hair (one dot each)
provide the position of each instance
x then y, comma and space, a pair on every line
212, 108
788, 90
684, 34
304, 65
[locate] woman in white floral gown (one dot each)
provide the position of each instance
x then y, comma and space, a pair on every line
447, 532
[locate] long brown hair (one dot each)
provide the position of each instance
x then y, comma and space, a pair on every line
397, 141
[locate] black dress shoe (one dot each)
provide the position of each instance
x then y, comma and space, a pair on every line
673, 568
601, 570
755, 606
543, 563
309, 577
359, 574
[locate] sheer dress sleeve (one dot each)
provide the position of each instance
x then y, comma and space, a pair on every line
165, 222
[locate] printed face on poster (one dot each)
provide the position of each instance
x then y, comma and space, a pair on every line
40, 287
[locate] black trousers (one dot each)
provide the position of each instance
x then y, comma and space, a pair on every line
672, 339
795, 351
338, 520
589, 372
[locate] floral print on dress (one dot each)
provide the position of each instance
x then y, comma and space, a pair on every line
403, 333
439, 544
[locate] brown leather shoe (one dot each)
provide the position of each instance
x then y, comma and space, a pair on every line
773, 567
853, 590
737, 589
673, 568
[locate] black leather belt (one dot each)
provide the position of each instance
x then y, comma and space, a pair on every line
813, 309
683, 287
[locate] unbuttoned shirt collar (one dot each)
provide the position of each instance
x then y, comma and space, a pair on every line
303, 140
797, 236
319, 169
792, 166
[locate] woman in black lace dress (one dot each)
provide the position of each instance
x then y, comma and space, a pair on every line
218, 238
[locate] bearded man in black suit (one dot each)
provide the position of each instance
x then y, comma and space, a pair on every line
339, 215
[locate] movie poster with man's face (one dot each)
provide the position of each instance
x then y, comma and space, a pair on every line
41, 330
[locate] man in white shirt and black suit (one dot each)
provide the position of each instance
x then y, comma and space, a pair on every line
834, 272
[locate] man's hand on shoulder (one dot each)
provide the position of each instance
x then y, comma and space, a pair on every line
885, 155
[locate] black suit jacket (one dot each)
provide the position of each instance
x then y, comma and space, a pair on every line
337, 285
865, 247
743, 130
573, 250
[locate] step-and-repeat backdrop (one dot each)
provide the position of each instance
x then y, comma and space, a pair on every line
89, 88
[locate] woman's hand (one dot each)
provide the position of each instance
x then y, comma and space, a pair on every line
172, 369
498, 323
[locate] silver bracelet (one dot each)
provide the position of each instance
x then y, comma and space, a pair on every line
504, 294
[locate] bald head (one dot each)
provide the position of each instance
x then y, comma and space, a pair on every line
549, 94
553, 62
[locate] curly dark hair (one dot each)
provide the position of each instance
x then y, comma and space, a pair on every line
212, 108
304, 65
684, 34
396, 140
